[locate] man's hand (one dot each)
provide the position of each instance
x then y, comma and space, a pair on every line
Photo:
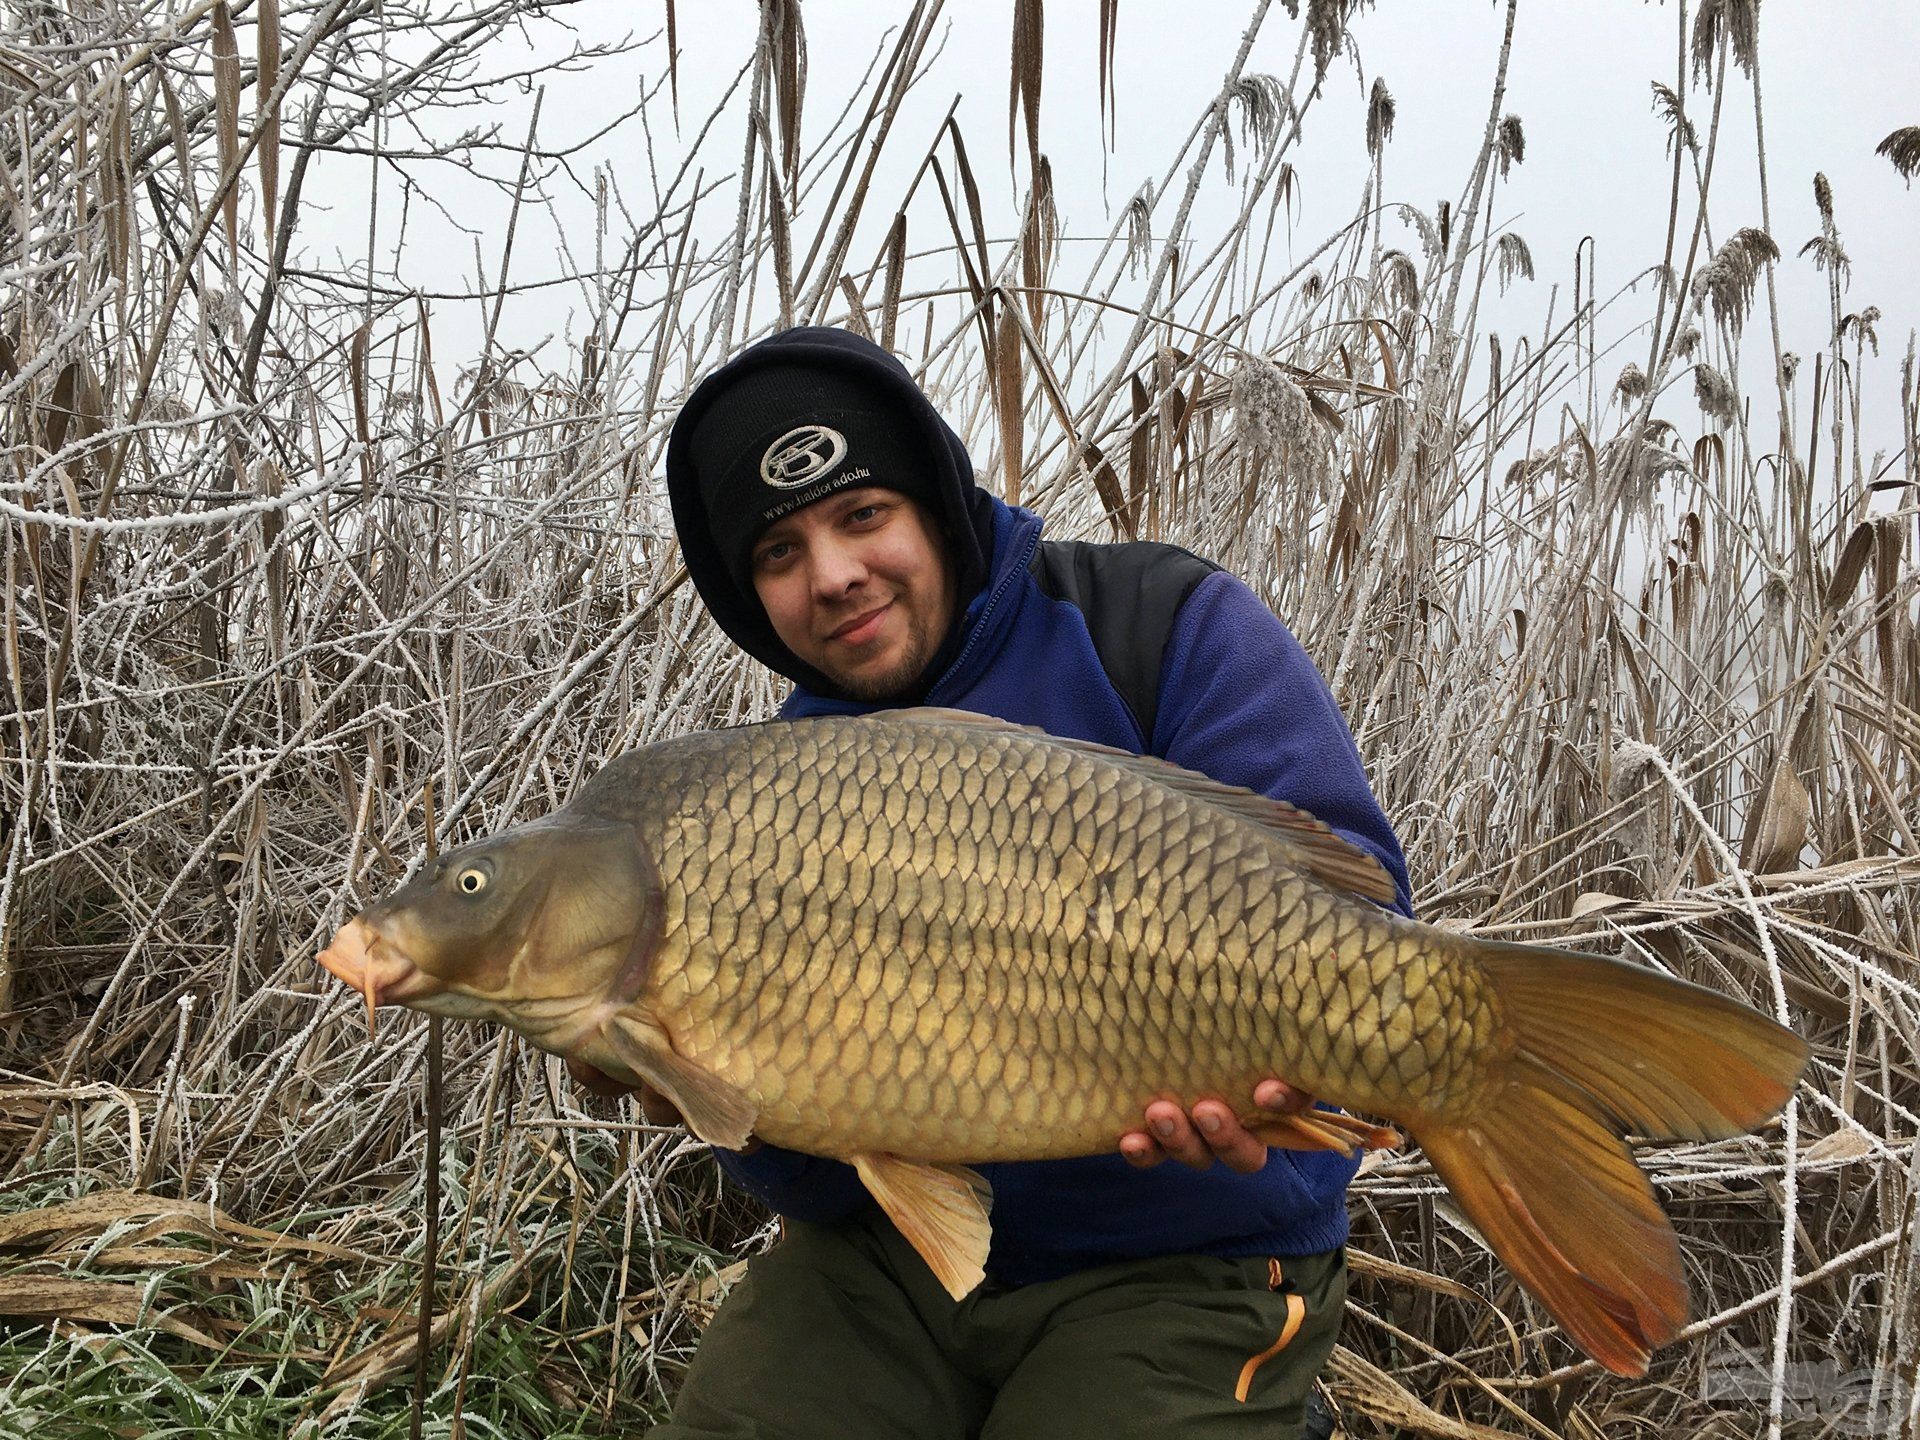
656, 1107
1211, 1132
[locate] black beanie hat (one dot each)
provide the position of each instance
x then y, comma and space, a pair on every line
782, 436
763, 436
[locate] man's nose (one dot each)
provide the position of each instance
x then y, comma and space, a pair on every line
837, 569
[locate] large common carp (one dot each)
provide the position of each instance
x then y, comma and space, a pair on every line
924, 938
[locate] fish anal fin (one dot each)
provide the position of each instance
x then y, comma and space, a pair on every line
1319, 1130
940, 1209
714, 1109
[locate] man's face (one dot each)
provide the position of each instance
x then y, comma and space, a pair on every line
858, 586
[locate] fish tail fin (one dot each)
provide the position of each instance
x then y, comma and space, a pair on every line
1596, 1050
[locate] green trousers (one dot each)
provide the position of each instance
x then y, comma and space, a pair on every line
841, 1331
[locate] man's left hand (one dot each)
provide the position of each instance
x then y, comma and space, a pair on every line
1210, 1131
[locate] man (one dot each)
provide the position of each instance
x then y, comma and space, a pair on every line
829, 518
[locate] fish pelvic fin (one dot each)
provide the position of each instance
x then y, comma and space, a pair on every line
715, 1109
940, 1209
1594, 1050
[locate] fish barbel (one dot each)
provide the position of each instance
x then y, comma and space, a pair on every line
922, 938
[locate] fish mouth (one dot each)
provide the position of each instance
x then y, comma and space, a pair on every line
366, 960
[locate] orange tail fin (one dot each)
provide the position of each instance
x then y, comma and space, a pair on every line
1595, 1050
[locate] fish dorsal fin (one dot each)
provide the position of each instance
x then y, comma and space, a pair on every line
941, 715
1328, 857
940, 1209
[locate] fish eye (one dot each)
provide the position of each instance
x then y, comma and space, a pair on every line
471, 881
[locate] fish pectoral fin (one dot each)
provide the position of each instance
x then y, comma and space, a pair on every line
714, 1110
1319, 1130
940, 1209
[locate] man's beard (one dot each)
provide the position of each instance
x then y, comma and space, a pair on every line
899, 679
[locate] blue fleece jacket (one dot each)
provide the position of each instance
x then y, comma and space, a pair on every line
1239, 700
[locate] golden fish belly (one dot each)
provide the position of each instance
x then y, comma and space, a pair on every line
985, 952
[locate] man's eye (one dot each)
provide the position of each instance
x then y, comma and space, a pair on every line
861, 514
772, 554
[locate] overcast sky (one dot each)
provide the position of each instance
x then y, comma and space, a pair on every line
1837, 79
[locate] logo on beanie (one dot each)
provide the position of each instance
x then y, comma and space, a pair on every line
802, 456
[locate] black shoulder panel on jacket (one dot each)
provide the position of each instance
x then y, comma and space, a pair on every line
1129, 594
